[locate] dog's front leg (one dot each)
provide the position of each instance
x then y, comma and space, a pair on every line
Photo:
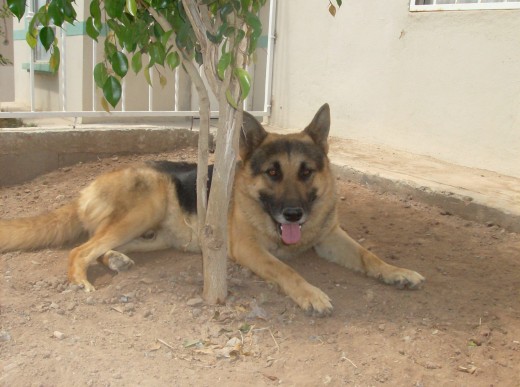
311, 299
340, 248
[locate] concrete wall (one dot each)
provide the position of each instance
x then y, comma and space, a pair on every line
27, 154
444, 84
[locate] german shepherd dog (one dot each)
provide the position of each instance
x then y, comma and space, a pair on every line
284, 203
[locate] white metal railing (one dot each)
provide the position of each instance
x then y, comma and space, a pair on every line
176, 112
462, 5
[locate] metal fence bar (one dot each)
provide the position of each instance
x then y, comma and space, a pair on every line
63, 72
176, 92
270, 58
128, 113
94, 60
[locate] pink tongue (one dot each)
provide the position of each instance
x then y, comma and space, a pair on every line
291, 233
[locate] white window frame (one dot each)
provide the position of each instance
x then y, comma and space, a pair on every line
456, 6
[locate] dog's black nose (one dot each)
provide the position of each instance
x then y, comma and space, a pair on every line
292, 214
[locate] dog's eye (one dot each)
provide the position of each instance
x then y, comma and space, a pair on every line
305, 173
274, 173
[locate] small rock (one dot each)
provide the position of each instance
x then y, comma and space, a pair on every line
381, 327
4, 336
129, 307
432, 366
234, 341
90, 300
194, 301
59, 335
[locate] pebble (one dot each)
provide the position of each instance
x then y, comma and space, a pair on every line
194, 301
129, 307
59, 335
4, 336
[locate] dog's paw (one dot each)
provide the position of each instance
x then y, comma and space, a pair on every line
404, 279
86, 286
117, 261
314, 301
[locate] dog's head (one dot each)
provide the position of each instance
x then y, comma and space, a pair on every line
288, 174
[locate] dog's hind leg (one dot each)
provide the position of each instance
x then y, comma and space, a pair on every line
117, 259
113, 234
340, 248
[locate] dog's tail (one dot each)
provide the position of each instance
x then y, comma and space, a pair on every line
54, 228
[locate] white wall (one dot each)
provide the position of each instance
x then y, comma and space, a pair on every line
445, 84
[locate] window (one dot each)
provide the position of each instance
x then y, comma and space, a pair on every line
461, 5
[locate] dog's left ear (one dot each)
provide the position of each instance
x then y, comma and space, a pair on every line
319, 128
251, 136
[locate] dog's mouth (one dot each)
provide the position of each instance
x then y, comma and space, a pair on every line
291, 233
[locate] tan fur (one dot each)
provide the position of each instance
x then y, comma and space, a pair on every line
136, 210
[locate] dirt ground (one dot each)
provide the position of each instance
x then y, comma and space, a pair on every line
149, 326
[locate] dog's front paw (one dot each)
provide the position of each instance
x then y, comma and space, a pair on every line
404, 279
117, 261
313, 301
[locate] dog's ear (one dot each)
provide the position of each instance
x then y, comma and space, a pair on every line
251, 136
319, 128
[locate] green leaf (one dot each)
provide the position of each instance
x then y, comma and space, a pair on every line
158, 31
173, 59
69, 11
112, 90
137, 63
31, 40
339, 2
223, 64
146, 72
157, 53
119, 63
17, 7
104, 103
92, 31
54, 61
110, 48
244, 80
47, 37
162, 80
254, 22
165, 37
95, 9
114, 9
100, 74
230, 99
42, 16
55, 13
131, 6
216, 39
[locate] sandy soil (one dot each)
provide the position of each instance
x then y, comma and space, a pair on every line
149, 327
